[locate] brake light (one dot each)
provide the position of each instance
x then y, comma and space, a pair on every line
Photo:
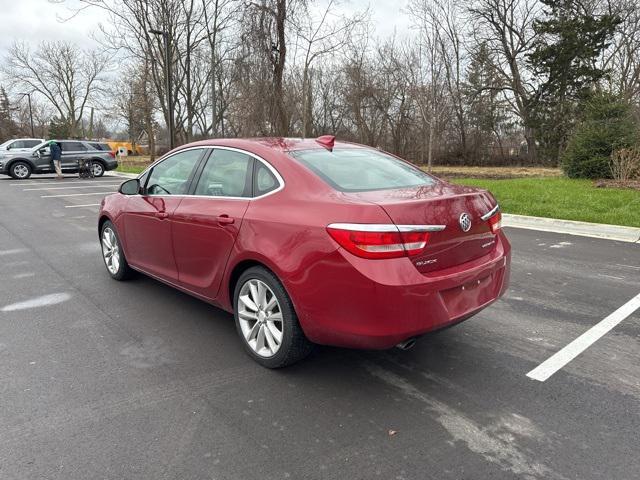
379, 241
112, 153
495, 222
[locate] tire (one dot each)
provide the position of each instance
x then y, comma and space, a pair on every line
115, 262
20, 170
255, 328
98, 169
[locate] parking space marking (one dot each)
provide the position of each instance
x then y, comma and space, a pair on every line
12, 251
73, 195
43, 301
104, 185
86, 205
554, 363
62, 182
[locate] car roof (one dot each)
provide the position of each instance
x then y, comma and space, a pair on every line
282, 144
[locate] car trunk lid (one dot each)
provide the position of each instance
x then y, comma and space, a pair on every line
441, 204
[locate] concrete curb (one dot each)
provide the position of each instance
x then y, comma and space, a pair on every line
114, 173
570, 227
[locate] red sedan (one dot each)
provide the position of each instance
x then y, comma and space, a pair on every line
309, 241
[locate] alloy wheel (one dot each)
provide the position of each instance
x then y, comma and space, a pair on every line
110, 251
97, 169
260, 318
21, 171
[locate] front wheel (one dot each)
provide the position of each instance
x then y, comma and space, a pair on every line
98, 169
112, 253
266, 321
20, 170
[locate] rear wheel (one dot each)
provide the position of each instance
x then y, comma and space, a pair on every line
97, 168
266, 321
20, 170
112, 253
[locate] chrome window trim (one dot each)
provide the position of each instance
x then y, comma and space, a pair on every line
215, 147
490, 213
383, 227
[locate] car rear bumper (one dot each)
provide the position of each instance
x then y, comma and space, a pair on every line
358, 303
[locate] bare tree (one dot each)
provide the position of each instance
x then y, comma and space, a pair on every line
506, 27
319, 36
65, 75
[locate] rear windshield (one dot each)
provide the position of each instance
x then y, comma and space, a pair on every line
362, 170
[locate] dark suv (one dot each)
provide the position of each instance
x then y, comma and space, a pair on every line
21, 165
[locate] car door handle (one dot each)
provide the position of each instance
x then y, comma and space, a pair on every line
162, 215
225, 220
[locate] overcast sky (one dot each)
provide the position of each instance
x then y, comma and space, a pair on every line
37, 20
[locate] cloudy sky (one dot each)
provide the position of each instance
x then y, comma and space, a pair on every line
37, 20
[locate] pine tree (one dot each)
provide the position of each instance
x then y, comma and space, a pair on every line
486, 109
570, 38
8, 127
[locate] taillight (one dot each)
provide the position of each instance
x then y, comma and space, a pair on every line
112, 153
495, 222
382, 241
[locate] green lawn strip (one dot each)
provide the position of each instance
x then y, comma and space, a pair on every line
130, 168
563, 198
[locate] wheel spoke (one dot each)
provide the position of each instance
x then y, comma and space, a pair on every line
251, 334
248, 315
272, 302
274, 332
248, 302
254, 294
273, 346
276, 317
106, 240
262, 294
260, 338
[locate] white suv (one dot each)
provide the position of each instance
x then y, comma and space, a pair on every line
20, 144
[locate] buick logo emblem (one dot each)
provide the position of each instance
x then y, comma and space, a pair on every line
465, 222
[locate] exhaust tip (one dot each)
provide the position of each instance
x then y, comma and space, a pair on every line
407, 344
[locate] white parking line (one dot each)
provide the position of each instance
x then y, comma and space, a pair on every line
554, 363
74, 194
86, 205
62, 182
105, 185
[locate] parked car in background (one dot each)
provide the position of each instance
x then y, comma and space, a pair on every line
20, 144
21, 165
310, 241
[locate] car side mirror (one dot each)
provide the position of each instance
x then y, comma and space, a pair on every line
130, 187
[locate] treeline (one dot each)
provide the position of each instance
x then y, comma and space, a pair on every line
477, 82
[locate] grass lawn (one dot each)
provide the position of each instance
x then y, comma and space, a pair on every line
568, 199
133, 164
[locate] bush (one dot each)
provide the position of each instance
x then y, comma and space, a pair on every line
607, 125
625, 163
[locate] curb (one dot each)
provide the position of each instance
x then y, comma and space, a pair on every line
571, 227
114, 173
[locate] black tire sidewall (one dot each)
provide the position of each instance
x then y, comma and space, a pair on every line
123, 269
289, 318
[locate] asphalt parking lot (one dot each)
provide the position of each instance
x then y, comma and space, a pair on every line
109, 380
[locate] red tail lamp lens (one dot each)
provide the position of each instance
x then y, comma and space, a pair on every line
377, 245
495, 222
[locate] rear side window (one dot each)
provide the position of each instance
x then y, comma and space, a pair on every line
73, 147
227, 174
264, 181
362, 170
